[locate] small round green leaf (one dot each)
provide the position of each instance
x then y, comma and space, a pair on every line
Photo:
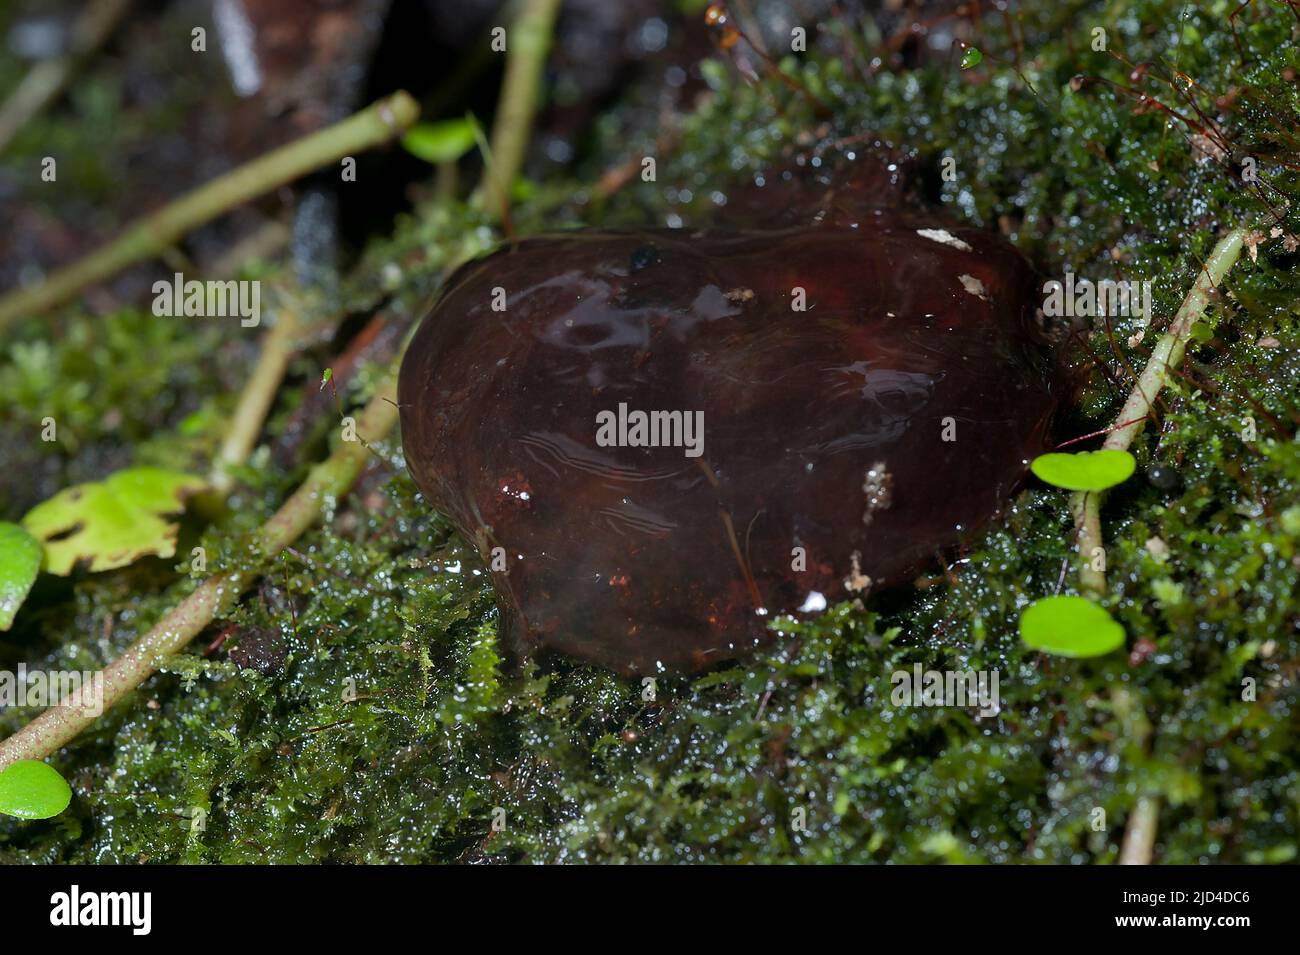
1085, 471
1070, 627
971, 58
444, 141
20, 561
29, 789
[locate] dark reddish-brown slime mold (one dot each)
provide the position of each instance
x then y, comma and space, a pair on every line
661, 439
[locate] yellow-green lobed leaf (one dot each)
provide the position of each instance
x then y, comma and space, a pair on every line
111, 523
20, 562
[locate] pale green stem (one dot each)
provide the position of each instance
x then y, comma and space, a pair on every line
527, 44
147, 237
1166, 356
257, 396
1140, 832
47, 79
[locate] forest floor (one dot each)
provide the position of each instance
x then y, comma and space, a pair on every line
355, 706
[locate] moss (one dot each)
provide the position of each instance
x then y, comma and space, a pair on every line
361, 709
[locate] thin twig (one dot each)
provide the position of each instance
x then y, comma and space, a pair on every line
45, 81
257, 396
1086, 508
1140, 828
528, 42
1168, 353
264, 243
1140, 832
149, 236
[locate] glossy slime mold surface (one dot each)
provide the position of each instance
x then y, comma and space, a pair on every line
813, 454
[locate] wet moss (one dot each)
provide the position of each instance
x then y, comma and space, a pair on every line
360, 709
